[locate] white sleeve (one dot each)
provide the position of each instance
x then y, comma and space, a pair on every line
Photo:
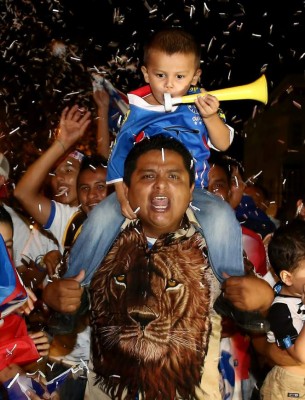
62, 217
38, 244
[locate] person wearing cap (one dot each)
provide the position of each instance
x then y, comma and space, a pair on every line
21, 225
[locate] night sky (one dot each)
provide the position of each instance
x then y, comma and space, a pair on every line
50, 47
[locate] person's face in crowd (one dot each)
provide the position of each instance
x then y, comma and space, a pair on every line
63, 181
7, 234
172, 74
160, 186
218, 182
91, 187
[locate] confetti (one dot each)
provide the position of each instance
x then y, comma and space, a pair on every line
13, 381
46, 63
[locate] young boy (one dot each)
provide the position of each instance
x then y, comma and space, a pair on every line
287, 313
171, 65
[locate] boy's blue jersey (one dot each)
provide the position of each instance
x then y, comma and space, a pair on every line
145, 120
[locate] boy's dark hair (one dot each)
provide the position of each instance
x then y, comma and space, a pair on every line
171, 41
158, 142
287, 246
5, 217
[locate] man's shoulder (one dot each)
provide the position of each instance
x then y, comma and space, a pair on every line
60, 213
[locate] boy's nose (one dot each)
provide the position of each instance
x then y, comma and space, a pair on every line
169, 83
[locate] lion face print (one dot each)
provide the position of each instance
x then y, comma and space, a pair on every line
150, 317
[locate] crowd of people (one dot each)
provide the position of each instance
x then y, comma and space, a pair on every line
152, 270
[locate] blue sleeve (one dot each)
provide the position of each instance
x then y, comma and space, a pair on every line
51, 216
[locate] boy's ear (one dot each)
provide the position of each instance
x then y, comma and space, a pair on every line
196, 77
286, 277
145, 73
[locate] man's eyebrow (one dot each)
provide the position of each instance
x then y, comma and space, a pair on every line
155, 169
178, 170
147, 170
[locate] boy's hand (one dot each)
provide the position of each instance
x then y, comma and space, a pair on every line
41, 341
51, 261
126, 210
207, 105
28, 307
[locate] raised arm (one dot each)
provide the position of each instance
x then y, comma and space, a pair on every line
101, 98
28, 190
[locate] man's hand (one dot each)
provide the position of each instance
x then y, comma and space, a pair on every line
72, 126
64, 295
248, 293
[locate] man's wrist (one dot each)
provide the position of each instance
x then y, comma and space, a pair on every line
62, 146
102, 116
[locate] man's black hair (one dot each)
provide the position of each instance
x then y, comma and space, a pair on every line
287, 246
226, 163
158, 142
220, 161
92, 162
